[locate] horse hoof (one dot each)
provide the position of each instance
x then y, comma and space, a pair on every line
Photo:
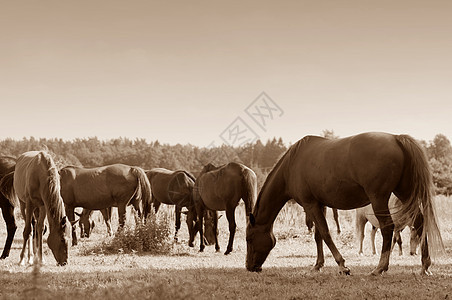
190, 245
426, 273
345, 271
3, 256
227, 252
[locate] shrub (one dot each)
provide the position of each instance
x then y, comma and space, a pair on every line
151, 237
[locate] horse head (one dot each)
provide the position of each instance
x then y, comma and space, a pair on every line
207, 168
86, 224
260, 242
209, 232
58, 241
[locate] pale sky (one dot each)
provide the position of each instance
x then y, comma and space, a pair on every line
183, 71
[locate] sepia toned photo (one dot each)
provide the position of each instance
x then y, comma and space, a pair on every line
226, 149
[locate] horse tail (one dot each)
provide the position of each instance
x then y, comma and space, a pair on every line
7, 189
249, 187
420, 201
143, 189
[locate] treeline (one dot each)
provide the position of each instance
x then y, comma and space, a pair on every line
92, 152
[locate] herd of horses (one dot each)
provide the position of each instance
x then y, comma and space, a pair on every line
358, 172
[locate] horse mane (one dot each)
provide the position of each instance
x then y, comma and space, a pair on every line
55, 204
287, 156
189, 175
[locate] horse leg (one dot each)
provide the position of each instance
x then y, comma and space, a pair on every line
321, 225
177, 212
309, 223
360, 225
200, 212
383, 215
372, 239
425, 256
215, 230
414, 240
70, 215
397, 239
121, 216
319, 245
336, 219
8, 216
106, 213
39, 231
191, 224
230, 215
28, 212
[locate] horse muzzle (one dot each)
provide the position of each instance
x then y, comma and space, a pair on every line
254, 269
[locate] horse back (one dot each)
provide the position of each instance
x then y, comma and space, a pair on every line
221, 187
171, 187
97, 188
341, 173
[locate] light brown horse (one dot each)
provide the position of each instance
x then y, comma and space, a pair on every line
37, 185
221, 188
366, 214
348, 173
99, 188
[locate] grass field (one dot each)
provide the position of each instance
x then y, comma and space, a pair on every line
188, 274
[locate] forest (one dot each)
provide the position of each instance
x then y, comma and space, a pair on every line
260, 156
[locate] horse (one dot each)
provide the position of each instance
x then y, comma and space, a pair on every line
175, 188
99, 188
348, 173
221, 188
87, 225
366, 214
36, 183
310, 223
7, 165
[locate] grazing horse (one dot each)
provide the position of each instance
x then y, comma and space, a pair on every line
87, 225
221, 188
310, 223
7, 165
348, 173
366, 214
99, 188
174, 188
37, 185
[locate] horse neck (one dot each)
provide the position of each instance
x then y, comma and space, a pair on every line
50, 192
272, 197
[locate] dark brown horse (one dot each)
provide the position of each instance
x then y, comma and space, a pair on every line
221, 188
348, 173
7, 165
366, 214
37, 185
174, 188
99, 188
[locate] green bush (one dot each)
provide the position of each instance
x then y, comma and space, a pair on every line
151, 237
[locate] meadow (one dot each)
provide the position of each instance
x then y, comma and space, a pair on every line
185, 273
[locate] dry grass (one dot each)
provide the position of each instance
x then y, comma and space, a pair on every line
187, 274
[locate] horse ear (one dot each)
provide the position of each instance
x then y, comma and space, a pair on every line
252, 220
